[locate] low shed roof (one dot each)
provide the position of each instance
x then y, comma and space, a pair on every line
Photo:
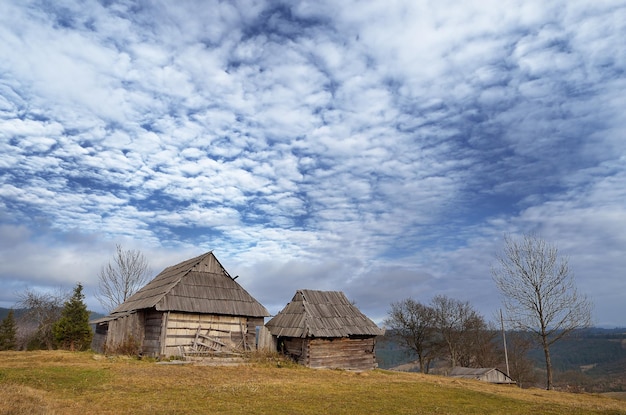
491, 374
321, 314
197, 285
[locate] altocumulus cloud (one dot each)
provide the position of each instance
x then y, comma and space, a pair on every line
377, 148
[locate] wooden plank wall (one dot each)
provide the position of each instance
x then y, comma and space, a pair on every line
160, 333
266, 341
495, 377
254, 324
293, 347
99, 337
182, 327
340, 353
124, 330
152, 334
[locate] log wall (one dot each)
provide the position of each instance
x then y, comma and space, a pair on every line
295, 348
339, 353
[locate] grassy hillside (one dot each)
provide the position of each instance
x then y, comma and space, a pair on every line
56, 382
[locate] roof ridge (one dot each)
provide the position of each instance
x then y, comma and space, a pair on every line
307, 314
193, 263
322, 314
171, 284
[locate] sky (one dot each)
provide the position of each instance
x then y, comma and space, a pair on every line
379, 148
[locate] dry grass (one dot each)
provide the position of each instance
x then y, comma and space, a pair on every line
616, 395
80, 383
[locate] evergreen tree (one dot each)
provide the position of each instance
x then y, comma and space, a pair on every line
8, 332
72, 330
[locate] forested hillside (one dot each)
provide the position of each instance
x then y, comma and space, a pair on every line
592, 360
5, 311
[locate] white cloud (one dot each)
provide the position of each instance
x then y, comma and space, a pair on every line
349, 146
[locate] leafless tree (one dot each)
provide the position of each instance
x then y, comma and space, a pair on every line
41, 311
121, 278
522, 369
413, 323
480, 348
539, 293
461, 329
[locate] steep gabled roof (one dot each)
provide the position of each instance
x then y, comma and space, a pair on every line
197, 285
321, 314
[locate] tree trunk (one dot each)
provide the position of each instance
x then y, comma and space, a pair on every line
546, 352
453, 357
428, 360
421, 359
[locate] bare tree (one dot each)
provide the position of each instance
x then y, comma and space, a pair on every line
521, 367
35, 325
479, 347
413, 323
461, 329
539, 293
120, 279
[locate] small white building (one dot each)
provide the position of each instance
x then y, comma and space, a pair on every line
492, 374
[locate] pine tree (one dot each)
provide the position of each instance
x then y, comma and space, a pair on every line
72, 331
8, 332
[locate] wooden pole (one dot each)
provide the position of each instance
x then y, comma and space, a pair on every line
506, 355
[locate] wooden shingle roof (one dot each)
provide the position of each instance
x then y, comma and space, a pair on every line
321, 314
197, 285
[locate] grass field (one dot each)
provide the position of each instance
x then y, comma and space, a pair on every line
56, 382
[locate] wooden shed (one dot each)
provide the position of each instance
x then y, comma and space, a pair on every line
322, 329
492, 374
194, 307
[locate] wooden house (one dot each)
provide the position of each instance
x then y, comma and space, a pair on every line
194, 307
491, 374
322, 329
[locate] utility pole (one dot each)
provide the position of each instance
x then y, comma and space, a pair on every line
506, 355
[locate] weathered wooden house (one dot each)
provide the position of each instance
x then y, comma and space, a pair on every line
322, 329
194, 306
492, 374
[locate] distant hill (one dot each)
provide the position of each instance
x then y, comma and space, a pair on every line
593, 360
591, 347
5, 312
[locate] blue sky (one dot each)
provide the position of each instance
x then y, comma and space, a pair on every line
379, 148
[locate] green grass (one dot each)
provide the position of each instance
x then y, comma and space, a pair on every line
85, 383
54, 378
